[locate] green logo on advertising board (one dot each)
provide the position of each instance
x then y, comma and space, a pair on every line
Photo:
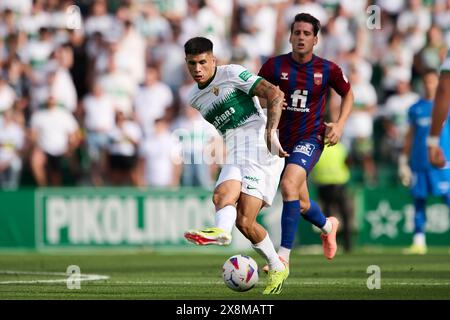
388, 219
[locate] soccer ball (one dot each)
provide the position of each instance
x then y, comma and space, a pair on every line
240, 273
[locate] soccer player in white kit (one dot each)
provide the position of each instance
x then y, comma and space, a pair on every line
226, 96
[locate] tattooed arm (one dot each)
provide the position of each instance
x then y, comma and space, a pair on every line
274, 103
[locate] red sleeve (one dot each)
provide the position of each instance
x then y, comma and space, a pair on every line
266, 71
338, 81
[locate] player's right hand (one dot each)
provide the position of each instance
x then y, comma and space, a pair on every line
282, 153
274, 145
436, 156
404, 171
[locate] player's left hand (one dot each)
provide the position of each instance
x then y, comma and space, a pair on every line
333, 133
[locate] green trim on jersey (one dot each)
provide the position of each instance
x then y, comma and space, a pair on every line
254, 86
232, 111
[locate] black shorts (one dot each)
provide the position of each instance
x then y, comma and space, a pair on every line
119, 162
54, 163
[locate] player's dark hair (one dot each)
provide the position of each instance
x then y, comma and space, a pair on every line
198, 45
306, 17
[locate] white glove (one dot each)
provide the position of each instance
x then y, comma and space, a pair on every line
404, 171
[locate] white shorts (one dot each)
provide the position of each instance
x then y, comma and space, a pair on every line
250, 162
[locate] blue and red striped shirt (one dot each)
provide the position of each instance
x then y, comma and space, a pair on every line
306, 88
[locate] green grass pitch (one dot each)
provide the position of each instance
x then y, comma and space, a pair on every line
157, 275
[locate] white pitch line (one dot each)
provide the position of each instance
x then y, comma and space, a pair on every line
383, 283
41, 273
81, 277
95, 277
289, 284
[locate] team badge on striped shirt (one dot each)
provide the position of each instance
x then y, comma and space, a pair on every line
317, 78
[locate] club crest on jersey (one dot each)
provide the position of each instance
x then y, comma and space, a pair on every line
215, 90
284, 76
305, 148
317, 78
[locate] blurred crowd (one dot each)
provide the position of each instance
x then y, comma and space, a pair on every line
93, 92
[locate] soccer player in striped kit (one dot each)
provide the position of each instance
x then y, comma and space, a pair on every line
305, 80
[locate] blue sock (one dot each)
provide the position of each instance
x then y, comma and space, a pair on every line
420, 217
290, 217
315, 215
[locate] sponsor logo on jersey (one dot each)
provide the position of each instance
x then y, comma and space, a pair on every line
223, 118
424, 122
245, 75
318, 78
305, 148
298, 109
284, 76
299, 99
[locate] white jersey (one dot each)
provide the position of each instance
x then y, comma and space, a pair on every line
53, 128
227, 101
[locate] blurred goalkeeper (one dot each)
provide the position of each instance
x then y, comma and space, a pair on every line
415, 169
